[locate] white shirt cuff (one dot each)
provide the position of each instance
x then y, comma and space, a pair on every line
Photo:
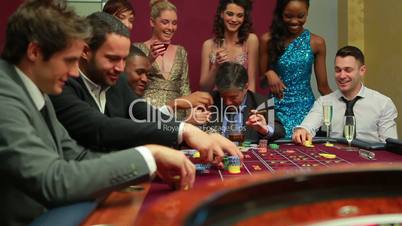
180, 135
270, 131
149, 159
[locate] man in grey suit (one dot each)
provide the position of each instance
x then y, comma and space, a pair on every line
40, 165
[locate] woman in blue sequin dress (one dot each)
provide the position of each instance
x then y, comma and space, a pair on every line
288, 54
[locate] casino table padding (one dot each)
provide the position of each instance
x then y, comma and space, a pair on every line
291, 198
158, 190
307, 160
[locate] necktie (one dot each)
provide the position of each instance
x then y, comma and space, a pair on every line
349, 105
349, 109
46, 117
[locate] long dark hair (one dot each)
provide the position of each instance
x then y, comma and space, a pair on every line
279, 32
245, 28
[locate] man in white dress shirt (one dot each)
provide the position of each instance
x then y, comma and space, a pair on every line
374, 112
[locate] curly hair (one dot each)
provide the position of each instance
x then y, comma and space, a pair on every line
279, 32
245, 28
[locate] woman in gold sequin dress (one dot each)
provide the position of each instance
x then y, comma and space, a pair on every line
168, 78
232, 42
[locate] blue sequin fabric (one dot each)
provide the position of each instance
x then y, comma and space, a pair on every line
294, 68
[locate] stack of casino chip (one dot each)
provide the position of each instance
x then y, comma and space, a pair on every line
262, 146
233, 164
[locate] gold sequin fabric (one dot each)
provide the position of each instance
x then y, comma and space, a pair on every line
161, 91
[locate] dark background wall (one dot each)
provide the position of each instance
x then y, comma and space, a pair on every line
7, 8
195, 25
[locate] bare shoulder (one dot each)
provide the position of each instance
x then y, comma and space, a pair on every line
265, 37
252, 40
208, 44
317, 42
252, 37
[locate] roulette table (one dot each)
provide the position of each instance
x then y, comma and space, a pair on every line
292, 185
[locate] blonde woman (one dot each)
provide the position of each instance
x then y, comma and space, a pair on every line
168, 78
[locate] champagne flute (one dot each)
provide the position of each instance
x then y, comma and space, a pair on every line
327, 113
220, 48
349, 129
221, 43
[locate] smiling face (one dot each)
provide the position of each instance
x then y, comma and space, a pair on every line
349, 73
233, 17
165, 25
108, 61
50, 76
295, 16
137, 69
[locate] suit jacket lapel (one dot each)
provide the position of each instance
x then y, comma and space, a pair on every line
88, 97
52, 121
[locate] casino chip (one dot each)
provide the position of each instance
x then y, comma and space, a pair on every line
327, 156
246, 143
202, 168
290, 151
244, 149
308, 144
262, 150
197, 154
274, 146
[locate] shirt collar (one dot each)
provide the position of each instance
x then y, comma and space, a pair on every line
90, 84
33, 91
361, 93
243, 103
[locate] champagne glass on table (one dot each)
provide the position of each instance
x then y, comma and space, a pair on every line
349, 129
327, 114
